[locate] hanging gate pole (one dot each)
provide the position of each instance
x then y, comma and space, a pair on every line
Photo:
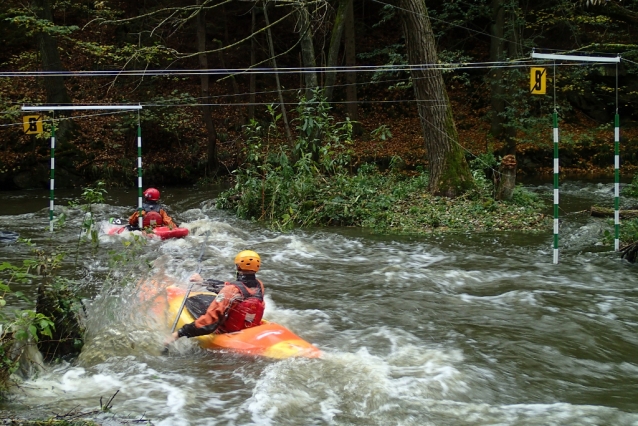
140, 219
616, 182
616, 172
599, 59
52, 178
81, 107
556, 170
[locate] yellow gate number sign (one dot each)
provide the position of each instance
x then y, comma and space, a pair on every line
538, 81
32, 124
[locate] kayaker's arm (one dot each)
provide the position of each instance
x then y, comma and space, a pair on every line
214, 285
191, 330
168, 221
132, 220
213, 317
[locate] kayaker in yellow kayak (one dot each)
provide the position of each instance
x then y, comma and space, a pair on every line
239, 304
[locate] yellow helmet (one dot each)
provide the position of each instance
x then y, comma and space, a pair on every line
248, 260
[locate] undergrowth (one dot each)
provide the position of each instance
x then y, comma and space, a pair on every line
312, 185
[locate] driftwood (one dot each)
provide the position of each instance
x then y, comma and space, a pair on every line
607, 212
629, 252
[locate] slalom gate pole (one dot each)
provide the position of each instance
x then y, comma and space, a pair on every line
555, 187
616, 172
617, 182
52, 179
140, 219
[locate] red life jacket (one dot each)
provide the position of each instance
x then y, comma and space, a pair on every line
247, 312
152, 219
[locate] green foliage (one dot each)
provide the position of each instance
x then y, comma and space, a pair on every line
382, 133
90, 195
481, 167
319, 137
307, 192
390, 55
20, 327
162, 116
32, 25
631, 190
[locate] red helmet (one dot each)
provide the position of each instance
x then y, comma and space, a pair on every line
152, 194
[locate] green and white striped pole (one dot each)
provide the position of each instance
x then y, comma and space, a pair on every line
580, 58
617, 182
52, 179
555, 187
140, 220
82, 107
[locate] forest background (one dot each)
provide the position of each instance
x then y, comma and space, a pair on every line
193, 124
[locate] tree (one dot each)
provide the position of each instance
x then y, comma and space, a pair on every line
212, 160
449, 172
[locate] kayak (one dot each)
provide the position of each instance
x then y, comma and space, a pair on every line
267, 339
118, 226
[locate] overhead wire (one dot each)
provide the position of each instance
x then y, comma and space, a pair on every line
515, 63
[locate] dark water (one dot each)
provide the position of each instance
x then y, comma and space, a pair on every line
438, 330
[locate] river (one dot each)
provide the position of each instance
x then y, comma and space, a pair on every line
476, 329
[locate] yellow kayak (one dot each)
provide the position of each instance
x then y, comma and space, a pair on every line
267, 339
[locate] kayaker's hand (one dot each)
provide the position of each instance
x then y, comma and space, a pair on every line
171, 338
196, 278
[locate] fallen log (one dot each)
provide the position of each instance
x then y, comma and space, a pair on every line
607, 212
630, 252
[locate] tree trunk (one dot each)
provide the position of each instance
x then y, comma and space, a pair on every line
253, 59
211, 132
333, 51
607, 212
351, 77
449, 172
54, 85
233, 80
307, 50
506, 178
274, 65
512, 36
56, 91
497, 46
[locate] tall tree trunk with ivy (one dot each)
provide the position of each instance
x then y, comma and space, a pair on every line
48, 47
495, 76
333, 51
307, 49
503, 44
211, 132
252, 82
449, 173
273, 60
351, 77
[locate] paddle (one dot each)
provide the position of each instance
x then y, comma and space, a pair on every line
181, 308
190, 287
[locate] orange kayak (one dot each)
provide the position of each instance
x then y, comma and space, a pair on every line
268, 339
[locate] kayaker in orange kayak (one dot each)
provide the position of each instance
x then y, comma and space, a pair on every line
152, 212
239, 304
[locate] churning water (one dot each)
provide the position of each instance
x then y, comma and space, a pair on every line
443, 330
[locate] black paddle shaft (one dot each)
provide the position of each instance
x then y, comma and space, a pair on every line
190, 287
